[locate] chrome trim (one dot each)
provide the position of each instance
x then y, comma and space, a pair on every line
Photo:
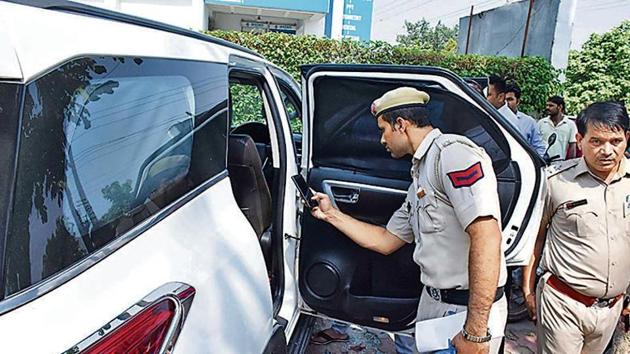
329, 183
29, 294
180, 294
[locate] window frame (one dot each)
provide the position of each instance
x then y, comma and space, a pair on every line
51, 282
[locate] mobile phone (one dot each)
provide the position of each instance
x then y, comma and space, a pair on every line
305, 192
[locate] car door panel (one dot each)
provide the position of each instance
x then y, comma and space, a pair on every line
345, 159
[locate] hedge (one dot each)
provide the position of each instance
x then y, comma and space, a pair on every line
536, 77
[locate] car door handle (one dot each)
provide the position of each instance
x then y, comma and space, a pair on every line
346, 195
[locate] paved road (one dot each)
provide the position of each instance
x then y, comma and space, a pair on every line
520, 339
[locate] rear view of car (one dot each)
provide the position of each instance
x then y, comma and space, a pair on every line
120, 232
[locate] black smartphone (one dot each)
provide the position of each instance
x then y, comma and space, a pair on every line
305, 192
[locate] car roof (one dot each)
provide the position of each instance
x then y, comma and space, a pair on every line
87, 10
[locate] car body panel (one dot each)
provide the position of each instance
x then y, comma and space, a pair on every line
206, 243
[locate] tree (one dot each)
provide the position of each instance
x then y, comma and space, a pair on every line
601, 70
423, 35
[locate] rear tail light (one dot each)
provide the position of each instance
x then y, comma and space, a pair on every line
149, 327
145, 333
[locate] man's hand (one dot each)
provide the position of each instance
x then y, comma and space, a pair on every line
463, 346
530, 302
626, 311
324, 206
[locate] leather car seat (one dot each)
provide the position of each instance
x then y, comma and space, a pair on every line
248, 182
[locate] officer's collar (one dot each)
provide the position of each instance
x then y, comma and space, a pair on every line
582, 167
426, 143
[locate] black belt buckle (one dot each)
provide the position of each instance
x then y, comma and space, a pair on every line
456, 296
436, 294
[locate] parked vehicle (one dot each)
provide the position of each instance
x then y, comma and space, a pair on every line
145, 201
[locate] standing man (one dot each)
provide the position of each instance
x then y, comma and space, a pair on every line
526, 124
585, 232
497, 89
565, 129
452, 213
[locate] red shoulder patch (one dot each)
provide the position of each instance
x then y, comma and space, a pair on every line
467, 177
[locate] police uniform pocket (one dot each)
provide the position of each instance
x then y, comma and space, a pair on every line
429, 219
585, 223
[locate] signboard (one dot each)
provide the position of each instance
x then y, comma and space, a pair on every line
320, 6
262, 27
357, 19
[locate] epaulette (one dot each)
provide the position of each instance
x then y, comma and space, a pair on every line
561, 166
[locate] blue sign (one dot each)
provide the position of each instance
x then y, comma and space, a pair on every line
357, 19
320, 6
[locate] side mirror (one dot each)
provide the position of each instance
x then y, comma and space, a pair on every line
552, 139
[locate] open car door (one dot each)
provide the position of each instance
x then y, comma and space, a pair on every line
342, 156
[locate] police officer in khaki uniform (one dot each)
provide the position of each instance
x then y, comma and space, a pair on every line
452, 213
586, 237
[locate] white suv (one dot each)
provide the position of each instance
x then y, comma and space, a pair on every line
145, 197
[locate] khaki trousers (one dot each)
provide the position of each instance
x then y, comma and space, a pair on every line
430, 308
568, 326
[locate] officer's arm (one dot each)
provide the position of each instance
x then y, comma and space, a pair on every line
529, 271
372, 237
484, 264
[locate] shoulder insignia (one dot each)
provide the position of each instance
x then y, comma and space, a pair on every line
559, 167
466, 177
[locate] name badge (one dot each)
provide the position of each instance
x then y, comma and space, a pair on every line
626, 207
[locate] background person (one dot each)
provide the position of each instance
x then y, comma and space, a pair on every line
525, 124
565, 129
585, 232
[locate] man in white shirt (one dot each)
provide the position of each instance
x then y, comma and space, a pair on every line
565, 145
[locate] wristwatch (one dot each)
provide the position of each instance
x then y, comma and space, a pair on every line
475, 339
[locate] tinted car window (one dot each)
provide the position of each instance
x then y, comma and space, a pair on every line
106, 143
345, 134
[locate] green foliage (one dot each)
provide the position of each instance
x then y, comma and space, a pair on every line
537, 78
427, 37
247, 105
601, 70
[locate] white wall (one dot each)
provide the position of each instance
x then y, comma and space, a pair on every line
189, 14
314, 26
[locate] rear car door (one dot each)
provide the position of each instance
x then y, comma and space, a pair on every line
342, 156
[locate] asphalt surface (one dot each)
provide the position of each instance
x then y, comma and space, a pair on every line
520, 339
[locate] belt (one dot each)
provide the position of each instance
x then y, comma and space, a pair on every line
455, 296
587, 301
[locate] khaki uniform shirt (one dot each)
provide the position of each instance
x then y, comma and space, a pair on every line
453, 184
588, 242
565, 134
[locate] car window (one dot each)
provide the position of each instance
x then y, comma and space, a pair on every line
105, 143
293, 111
345, 134
246, 104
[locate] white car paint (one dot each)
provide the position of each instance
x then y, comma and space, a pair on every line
206, 243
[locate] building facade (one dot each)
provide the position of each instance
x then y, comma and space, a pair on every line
331, 18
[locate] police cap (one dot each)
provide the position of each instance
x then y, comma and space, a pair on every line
402, 97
